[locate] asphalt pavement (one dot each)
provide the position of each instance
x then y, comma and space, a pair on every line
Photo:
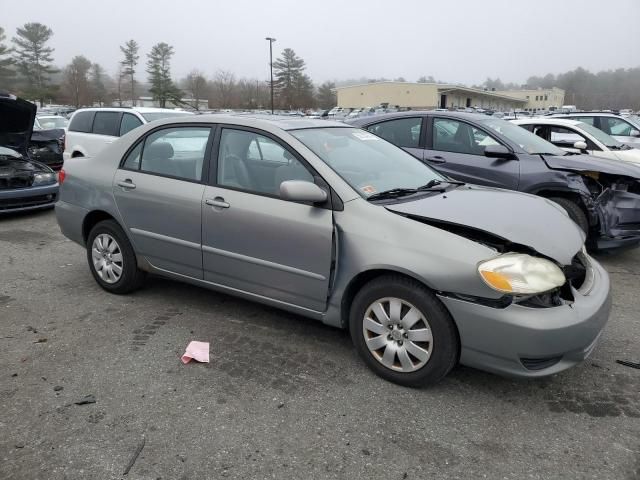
283, 396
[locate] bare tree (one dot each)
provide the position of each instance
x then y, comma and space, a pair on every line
196, 86
76, 81
224, 88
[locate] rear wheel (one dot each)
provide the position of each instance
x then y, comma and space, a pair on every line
575, 212
112, 260
402, 332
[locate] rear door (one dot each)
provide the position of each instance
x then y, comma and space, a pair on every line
256, 242
158, 190
403, 132
105, 129
456, 148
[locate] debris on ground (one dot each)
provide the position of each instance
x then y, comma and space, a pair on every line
19, 445
198, 351
57, 388
136, 454
629, 364
41, 340
31, 329
86, 400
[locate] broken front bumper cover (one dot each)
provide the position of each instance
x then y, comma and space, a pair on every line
618, 212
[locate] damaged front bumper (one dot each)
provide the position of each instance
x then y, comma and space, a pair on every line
619, 219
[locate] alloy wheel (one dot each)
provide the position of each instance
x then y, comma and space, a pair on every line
107, 258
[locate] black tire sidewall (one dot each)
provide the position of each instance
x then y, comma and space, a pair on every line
131, 276
574, 211
445, 347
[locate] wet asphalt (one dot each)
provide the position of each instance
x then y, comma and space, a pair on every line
283, 396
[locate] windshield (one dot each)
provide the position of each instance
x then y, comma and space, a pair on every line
526, 140
53, 122
150, 117
366, 162
599, 135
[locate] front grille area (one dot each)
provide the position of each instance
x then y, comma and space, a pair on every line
539, 363
576, 273
16, 181
11, 203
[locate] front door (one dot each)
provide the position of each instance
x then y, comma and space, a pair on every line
254, 241
158, 191
457, 150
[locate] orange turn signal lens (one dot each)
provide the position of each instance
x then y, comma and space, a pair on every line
497, 281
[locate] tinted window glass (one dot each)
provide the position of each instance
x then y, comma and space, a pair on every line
176, 152
454, 136
81, 122
253, 162
106, 123
133, 159
128, 123
587, 120
404, 132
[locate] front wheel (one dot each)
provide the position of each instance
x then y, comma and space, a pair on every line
574, 211
112, 259
402, 332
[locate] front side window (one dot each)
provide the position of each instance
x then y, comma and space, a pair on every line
256, 163
565, 137
365, 161
404, 132
107, 123
616, 126
451, 135
527, 141
176, 152
128, 123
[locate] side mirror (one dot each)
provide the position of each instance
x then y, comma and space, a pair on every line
302, 191
498, 151
580, 145
634, 133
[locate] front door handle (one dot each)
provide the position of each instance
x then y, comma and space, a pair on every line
126, 184
436, 159
217, 202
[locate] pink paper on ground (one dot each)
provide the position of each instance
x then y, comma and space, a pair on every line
198, 351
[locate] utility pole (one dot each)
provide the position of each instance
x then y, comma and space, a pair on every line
271, 40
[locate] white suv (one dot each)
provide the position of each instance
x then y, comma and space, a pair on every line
92, 129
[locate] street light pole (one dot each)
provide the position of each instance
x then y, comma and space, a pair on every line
271, 40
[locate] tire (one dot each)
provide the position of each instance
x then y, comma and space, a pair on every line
120, 260
439, 340
575, 212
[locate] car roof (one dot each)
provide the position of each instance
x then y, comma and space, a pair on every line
257, 120
581, 114
547, 121
129, 109
414, 113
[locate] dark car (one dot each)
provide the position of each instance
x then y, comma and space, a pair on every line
601, 196
25, 184
47, 146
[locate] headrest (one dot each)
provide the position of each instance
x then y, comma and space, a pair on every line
159, 150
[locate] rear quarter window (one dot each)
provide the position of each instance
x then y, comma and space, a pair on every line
81, 122
107, 123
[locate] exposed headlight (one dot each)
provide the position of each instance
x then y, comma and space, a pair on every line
518, 273
44, 178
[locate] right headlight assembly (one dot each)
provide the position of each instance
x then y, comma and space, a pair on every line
521, 274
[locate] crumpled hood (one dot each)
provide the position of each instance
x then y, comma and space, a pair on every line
519, 218
589, 163
11, 163
17, 117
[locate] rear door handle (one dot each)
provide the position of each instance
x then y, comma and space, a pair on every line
126, 184
436, 159
217, 202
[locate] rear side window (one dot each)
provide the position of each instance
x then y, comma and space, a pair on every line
128, 123
107, 123
81, 122
404, 132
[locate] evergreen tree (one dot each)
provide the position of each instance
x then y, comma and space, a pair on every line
293, 87
98, 89
131, 57
76, 81
7, 72
34, 59
159, 70
326, 97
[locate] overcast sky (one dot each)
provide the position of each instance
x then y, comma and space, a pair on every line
462, 41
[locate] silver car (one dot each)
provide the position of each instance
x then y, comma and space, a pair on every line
334, 223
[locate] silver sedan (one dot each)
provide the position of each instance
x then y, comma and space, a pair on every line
336, 224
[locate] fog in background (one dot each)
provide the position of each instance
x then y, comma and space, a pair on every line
462, 41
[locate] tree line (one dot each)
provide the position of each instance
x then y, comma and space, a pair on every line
27, 68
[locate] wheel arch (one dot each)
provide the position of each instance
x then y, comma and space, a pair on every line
92, 219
